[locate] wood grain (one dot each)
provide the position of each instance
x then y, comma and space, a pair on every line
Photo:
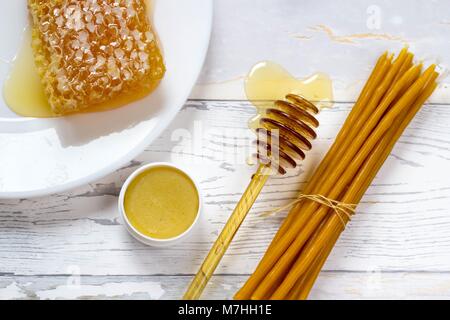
330, 285
341, 38
397, 246
400, 228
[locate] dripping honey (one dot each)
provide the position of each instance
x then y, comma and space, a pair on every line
23, 91
266, 86
268, 81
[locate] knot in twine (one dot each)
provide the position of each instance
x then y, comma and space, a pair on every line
341, 209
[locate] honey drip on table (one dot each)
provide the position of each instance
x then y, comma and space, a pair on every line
268, 81
23, 91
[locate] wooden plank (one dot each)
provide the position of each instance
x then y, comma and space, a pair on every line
402, 225
330, 285
396, 247
342, 39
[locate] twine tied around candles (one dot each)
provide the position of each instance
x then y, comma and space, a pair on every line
341, 209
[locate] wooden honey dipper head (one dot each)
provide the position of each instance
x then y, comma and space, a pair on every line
284, 132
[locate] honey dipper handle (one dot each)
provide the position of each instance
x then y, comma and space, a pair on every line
224, 239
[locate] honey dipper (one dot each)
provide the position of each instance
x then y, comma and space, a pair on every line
283, 132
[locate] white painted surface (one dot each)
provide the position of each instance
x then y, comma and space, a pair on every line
397, 246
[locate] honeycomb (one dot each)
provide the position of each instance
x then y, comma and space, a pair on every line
89, 52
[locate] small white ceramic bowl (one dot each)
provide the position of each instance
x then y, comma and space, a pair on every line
142, 237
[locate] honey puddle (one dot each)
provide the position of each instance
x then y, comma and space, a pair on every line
268, 81
24, 93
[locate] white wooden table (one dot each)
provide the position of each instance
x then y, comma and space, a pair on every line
72, 245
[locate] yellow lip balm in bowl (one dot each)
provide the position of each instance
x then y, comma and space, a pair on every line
160, 204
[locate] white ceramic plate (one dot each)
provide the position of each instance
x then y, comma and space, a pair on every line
44, 156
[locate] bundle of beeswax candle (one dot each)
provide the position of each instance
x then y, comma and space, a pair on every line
392, 96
